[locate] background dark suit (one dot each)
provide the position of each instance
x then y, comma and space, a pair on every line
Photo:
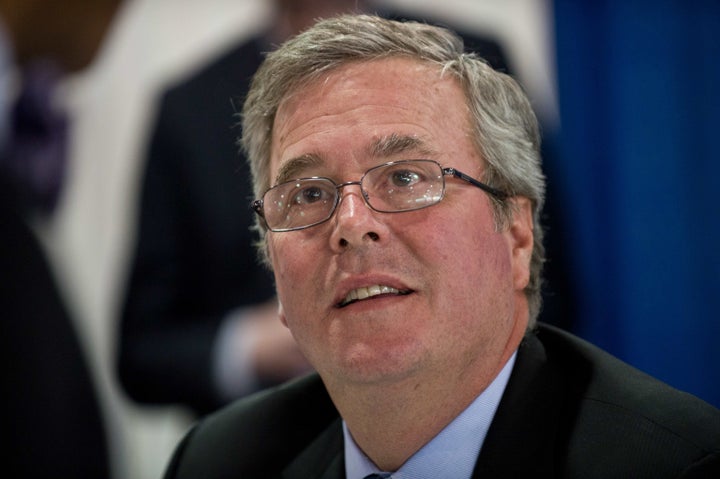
194, 260
569, 410
51, 420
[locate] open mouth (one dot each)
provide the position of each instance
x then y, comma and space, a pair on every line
374, 291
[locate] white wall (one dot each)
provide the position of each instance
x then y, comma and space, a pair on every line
155, 42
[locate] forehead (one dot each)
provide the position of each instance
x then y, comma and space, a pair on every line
351, 110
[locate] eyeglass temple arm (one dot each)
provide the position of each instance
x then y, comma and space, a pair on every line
500, 195
257, 207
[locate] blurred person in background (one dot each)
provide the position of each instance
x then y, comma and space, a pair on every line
199, 324
52, 420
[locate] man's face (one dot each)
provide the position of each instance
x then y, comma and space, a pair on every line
461, 310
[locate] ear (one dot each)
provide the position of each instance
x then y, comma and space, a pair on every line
521, 237
281, 314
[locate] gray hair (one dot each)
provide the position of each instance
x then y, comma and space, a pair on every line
506, 131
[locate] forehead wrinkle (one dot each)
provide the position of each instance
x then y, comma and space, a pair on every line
293, 168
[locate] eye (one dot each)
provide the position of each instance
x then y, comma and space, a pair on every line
404, 178
306, 194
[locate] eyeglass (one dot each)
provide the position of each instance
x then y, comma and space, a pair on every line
393, 187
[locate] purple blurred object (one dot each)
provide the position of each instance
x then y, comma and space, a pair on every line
37, 143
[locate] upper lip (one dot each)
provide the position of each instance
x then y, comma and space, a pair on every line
349, 288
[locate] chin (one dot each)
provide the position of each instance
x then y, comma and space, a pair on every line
376, 367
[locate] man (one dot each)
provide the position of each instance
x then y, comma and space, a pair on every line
399, 190
52, 420
195, 281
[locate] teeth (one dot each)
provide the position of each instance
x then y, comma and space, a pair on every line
368, 292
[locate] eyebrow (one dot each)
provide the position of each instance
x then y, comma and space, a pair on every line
293, 168
395, 144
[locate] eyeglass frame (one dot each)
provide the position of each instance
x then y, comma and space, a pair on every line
258, 204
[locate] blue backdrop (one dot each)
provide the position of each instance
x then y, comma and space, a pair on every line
637, 174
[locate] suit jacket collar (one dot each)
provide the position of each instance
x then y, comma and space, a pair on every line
322, 459
532, 419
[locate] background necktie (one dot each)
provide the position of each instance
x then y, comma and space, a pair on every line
35, 155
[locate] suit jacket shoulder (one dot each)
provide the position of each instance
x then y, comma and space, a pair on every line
572, 410
263, 435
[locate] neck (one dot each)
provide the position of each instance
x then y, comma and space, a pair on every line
391, 422
391, 430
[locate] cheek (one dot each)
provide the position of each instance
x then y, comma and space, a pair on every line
285, 250
469, 255
455, 240
295, 267
282, 268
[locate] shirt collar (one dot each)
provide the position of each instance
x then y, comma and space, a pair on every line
453, 452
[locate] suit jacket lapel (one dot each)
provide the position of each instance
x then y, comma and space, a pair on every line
533, 418
322, 459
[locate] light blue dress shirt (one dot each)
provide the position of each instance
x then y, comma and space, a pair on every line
451, 454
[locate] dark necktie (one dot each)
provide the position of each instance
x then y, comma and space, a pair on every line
34, 158
377, 476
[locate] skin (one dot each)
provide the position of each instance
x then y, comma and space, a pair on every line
407, 364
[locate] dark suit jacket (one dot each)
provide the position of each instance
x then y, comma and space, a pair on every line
194, 259
51, 417
569, 410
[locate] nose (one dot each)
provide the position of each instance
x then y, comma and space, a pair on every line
355, 222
